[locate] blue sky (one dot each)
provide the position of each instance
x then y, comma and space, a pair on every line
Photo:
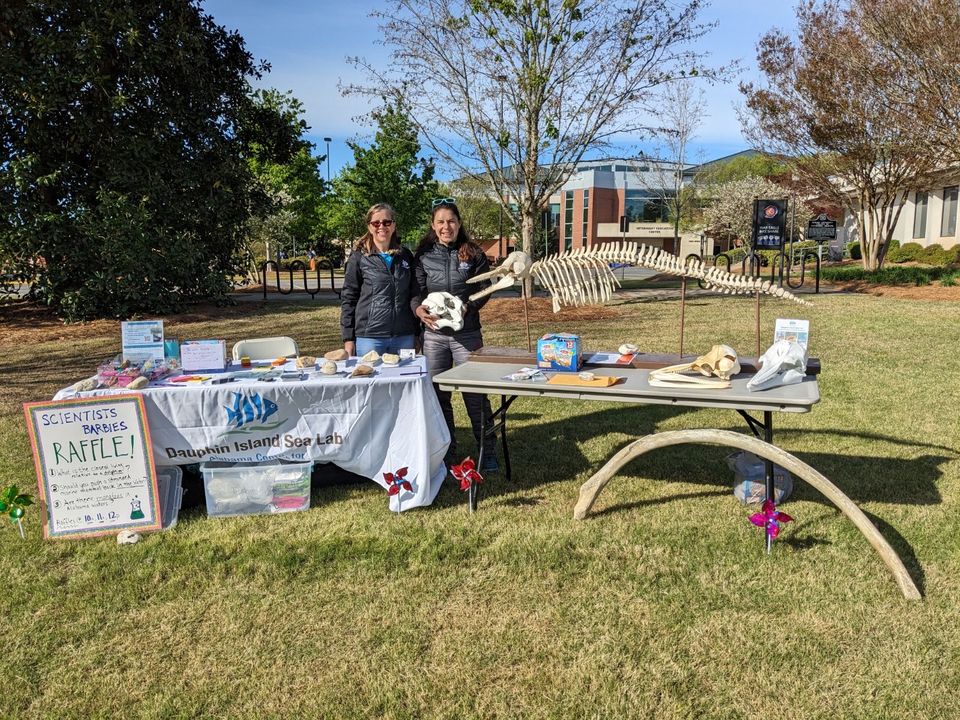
307, 43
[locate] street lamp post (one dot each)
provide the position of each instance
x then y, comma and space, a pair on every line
327, 141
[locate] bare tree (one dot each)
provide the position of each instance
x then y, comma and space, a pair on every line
824, 105
519, 90
682, 109
922, 37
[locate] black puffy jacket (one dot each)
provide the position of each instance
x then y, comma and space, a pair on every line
439, 269
377, 302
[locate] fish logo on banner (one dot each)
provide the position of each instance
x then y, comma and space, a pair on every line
250, 413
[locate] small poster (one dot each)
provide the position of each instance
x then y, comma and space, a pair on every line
142, 340
794, 330
94, 463
821, 228
196, 355
769, 224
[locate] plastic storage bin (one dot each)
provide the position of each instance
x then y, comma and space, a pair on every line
170, 490
256, 489
750, 484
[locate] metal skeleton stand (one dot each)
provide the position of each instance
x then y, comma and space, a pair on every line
488, 430
767, 427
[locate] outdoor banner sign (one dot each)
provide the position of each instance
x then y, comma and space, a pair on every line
769, 224
821, 228
95, 471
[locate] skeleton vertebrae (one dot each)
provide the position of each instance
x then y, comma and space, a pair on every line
582, 276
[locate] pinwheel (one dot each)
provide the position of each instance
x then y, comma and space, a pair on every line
466, 473
396, 482
770, 519
13, 502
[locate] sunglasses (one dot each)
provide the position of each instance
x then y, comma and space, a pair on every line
444, 201
378, 223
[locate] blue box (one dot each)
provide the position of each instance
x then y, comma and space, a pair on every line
560, 352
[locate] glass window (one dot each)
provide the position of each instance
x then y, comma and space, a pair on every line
920, 215
586, 209
549, 227
568, 221
948, 220
641, 206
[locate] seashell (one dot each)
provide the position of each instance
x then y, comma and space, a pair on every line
371, 357
304, 361
329, 368
339, 354
628, 349
390, 359
362, 371
137, 383
127, 537
85, 385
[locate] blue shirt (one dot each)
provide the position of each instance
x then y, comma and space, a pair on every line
388, 259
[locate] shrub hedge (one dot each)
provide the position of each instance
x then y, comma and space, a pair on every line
896, 275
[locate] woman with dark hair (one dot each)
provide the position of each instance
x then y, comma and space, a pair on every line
445, 259
379, 292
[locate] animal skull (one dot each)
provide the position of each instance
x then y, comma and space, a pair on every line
784, 363
515, 267
720, 362
447, 307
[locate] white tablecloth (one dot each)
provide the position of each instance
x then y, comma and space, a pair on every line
369, 426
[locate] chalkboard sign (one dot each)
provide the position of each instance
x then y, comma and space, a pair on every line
95, 469
821, 228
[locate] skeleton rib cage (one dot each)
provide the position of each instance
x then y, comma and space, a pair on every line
583, 276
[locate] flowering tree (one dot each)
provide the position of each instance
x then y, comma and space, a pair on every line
729, 206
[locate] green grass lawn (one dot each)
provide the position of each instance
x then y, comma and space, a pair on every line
661, 604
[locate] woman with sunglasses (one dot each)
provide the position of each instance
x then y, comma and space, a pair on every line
379, 290
445, 259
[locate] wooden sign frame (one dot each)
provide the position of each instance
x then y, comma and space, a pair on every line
101, 416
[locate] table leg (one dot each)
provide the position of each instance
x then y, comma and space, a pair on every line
488, 432
766, 428
504, 404
768, 466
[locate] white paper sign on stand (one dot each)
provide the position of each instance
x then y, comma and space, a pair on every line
94, 463
142, 340
797, 331
198, 355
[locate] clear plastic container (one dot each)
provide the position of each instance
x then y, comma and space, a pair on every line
256, 489
170, 490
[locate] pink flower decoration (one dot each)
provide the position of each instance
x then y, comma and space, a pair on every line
395, 481
770, 518
466, 473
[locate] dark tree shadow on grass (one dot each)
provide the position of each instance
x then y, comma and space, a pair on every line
550, 452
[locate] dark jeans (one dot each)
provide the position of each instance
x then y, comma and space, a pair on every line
442, 353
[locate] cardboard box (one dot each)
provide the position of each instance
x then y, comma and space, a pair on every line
560, 352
